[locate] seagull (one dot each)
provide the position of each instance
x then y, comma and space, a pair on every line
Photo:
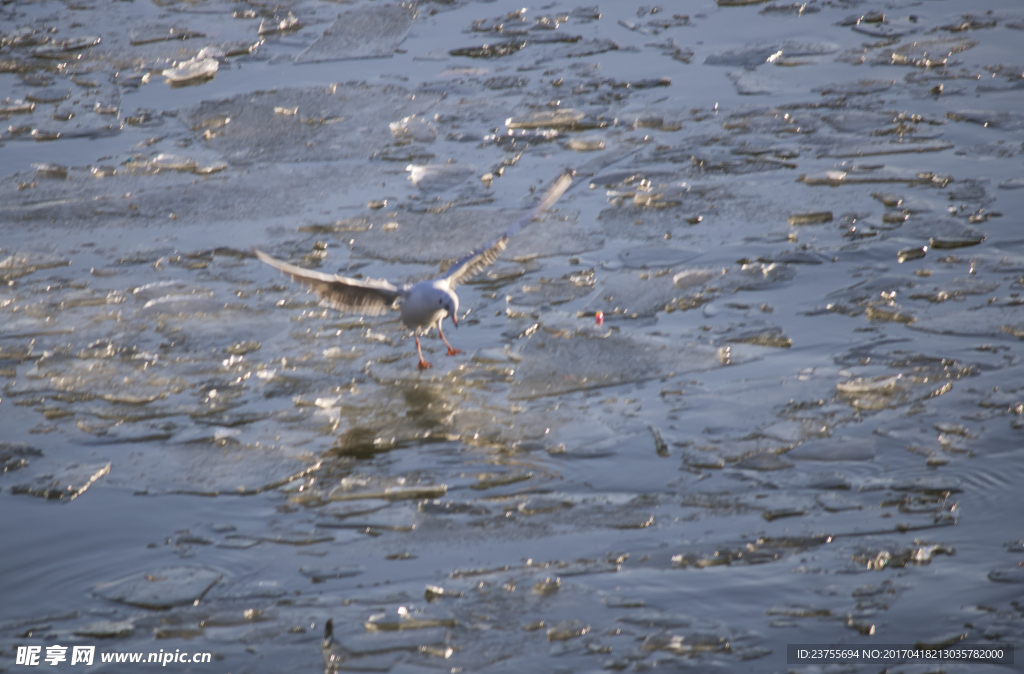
423, 305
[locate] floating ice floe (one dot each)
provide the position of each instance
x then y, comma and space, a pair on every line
289, 23
399, 492
585, 144
17, 265
1005, 121
813, 218
258, 133
320, 574
405, 619
891, 147
61, 48
47, 170
413, 127
585, 360
161, 589
173, 162
166, 162
927, 53
54, 94
837, 449
366, 32
755, 55
196, 70
68, 483
431, 237
656, 257
186, 305
148, 33
695, 278
439, 176
106, 629
17, 107
563, 118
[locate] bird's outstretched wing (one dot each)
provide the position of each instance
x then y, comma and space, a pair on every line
470, 266
345, 294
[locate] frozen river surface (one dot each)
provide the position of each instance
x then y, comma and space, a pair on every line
800, 421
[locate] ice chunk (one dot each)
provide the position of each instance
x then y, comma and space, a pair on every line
555, 119
876, 393
927, 53
655, 257
891, 147
815, 218
770, 337
860, 88
413, 127
567, 629
631, 294
147, 33
60, 49
106, 629
181, 305
489, 50
193, 71
989, 320
763, 461
173, 162
51, 170
20, 264
320, 574
555, 364
580, 48
879, 385
69, 483
1013, 574
161, 589
689, 644
585, 144
407, 618
835, 449
16, 107
54, 94
694, 278
755, 55
439, 176
436, 237
356, 488
366, 32
331, 123
275, 25
210, 52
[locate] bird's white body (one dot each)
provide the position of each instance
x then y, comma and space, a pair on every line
423, 305
427, 304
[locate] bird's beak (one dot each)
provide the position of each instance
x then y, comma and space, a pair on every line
455, 320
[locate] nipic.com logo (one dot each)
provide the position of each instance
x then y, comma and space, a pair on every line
56, 654
84, 655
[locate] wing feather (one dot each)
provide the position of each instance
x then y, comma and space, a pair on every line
371, 297
472, 264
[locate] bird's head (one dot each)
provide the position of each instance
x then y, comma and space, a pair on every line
450, 302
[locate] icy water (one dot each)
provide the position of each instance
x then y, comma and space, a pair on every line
800, 421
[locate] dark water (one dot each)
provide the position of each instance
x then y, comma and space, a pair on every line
799, 422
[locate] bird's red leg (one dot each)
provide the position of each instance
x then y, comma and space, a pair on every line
423, 365
451, 350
